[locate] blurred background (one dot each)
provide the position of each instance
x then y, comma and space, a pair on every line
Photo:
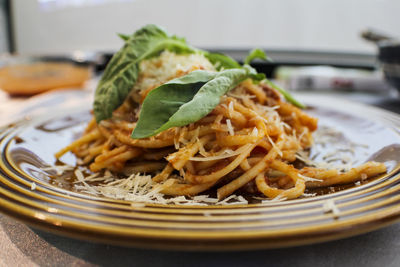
58, 26
315, 45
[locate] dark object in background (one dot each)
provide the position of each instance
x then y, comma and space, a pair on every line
388, 55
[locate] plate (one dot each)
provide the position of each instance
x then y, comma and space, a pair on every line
36, 197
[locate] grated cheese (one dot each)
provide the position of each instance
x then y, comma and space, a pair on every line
140, 189
309, 179
278, 198
159, 70
274, 146
81, 178
238, 200
331, 150
254, 132
226, 153
225, 106
230, 108
329, 206
309, 195
230, 128
58, 168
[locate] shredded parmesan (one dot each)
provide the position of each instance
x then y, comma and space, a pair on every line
230, 128
59, 169
331, 150
309, 195
309, 179
275, 146
140, 189
230, 108
254, 132
329, 206
226, 153
278, 198
202, 150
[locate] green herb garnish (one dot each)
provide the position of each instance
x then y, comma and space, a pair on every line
221, 61
180, 101
123, 69
185, 100
285, 94
255, 53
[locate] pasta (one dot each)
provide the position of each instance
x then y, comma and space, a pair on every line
248, 142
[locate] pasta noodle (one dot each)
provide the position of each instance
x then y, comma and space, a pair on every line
251, 138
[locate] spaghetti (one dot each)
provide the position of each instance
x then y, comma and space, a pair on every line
250, 142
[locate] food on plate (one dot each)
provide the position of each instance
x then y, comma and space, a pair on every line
198, 123
38, 77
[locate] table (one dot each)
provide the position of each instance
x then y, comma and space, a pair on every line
21, 245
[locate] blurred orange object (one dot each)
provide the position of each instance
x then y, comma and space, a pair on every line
38, 77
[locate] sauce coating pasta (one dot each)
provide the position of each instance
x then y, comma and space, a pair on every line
249, 141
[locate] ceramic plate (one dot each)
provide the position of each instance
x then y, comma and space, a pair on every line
38, 198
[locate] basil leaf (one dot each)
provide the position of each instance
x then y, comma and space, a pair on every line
124, 37
285, 93
255, 53
122, 71
185, 100
221, 61
253, 74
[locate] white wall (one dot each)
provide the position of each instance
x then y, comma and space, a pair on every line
289, 24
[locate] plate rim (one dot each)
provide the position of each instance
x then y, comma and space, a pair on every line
386, 216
